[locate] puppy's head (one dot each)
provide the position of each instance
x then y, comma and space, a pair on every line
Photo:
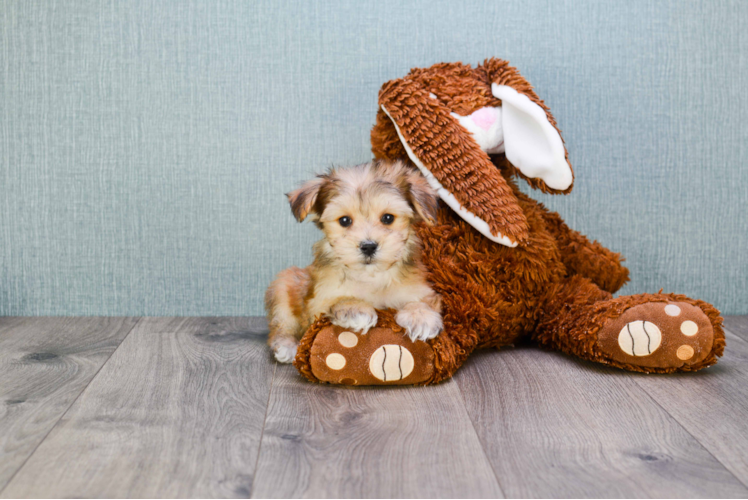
367, 212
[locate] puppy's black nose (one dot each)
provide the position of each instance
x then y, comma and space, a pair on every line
368, 248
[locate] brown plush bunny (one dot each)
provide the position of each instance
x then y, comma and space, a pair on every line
505, 266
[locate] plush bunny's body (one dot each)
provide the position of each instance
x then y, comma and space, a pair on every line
505, 266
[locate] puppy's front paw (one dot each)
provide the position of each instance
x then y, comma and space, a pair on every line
284, 349
420, 321
354, 314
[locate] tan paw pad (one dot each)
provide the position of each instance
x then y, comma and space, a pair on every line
639, 338
348, 339
689, 328
672, 310
335, 361
391, 362
684, 352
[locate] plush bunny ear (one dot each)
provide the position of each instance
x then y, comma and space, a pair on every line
453, 163
532, 142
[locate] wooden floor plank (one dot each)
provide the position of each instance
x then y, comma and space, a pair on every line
553, 426
330, 441
712, 404
737, 325
176, 412
45, 363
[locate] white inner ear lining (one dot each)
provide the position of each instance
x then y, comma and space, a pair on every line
491, 139
531, 143
448, 198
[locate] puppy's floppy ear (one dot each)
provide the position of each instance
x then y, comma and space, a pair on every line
534, 148
422, 196
302, 200
454, 165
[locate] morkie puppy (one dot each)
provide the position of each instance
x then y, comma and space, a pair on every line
368, 259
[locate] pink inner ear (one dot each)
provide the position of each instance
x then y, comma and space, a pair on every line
484, 117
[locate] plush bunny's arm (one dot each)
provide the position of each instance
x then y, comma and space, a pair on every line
452, 161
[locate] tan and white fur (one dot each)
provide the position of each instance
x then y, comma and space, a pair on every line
369, 258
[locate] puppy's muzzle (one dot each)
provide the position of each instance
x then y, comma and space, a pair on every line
368, 248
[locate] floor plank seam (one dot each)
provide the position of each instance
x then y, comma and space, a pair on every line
262, 432
33, 452
685, 429
480, 442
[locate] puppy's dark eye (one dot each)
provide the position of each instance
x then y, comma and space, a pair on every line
345, 221
387, 219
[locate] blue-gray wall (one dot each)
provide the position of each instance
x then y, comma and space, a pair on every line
145, 145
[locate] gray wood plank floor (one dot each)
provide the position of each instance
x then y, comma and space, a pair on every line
177, 411
324, 441
195, 407
591, 432
45, 363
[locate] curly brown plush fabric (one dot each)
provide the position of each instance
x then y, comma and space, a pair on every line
454, 159
554, 288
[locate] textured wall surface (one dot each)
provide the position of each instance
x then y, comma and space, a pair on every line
145, 145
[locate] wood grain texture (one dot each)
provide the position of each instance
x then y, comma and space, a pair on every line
737, 325
556, 427
45, 363
712, 405
176, 412
330, 441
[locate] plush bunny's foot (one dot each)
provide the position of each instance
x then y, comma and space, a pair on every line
383, 356
668, 334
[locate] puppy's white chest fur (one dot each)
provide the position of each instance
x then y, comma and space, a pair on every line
391, 288
383, 290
